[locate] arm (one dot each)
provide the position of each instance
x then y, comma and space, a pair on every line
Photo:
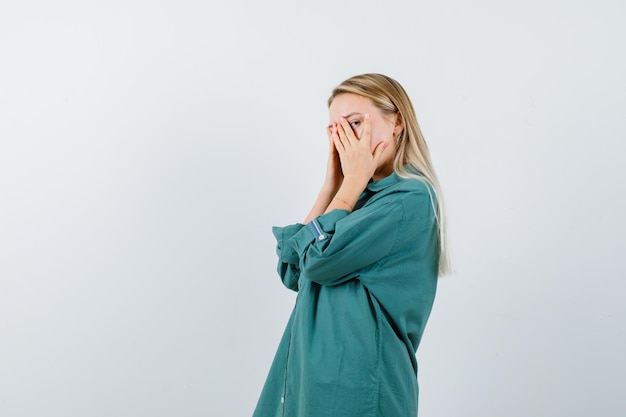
351, 164
288, 259
335, 247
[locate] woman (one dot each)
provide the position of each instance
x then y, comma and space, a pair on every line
364, 262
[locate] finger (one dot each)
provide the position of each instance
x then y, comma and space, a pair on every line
347, 129
344, 135
366, 136
331, 143
378, 152
338, 145
341, 134
336, 137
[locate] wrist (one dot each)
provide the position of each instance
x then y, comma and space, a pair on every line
350, 191
354, 184
329, 191
344, 202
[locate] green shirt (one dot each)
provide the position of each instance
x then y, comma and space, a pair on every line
366, 283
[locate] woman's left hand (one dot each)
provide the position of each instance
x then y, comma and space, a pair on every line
358, 162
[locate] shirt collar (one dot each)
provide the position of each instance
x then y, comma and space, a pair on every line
383, 183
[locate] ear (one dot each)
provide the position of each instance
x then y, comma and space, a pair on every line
399, 125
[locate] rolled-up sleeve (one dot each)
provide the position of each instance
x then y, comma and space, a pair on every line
288, 258
335, 246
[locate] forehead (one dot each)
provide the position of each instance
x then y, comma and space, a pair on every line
347, 103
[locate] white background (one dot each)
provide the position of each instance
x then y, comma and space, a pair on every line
147, 147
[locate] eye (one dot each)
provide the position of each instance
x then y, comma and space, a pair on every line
355, 124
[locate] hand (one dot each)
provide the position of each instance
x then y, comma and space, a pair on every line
334, 176
358, 162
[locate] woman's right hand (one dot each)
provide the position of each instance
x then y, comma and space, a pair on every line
334, 174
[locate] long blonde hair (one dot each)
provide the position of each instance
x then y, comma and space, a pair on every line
411, 152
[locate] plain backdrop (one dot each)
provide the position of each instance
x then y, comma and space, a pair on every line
147, 147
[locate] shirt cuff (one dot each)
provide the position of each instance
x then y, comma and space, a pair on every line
319, 229
285, 252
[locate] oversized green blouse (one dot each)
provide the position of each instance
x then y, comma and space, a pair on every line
366, 283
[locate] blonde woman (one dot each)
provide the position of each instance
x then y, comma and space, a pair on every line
364, 262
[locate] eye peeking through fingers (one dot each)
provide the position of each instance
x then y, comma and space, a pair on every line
356, 127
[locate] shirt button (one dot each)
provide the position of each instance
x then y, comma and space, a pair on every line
282, 400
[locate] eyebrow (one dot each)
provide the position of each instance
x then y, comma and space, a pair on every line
348, 116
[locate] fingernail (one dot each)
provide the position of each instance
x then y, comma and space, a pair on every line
367, 116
